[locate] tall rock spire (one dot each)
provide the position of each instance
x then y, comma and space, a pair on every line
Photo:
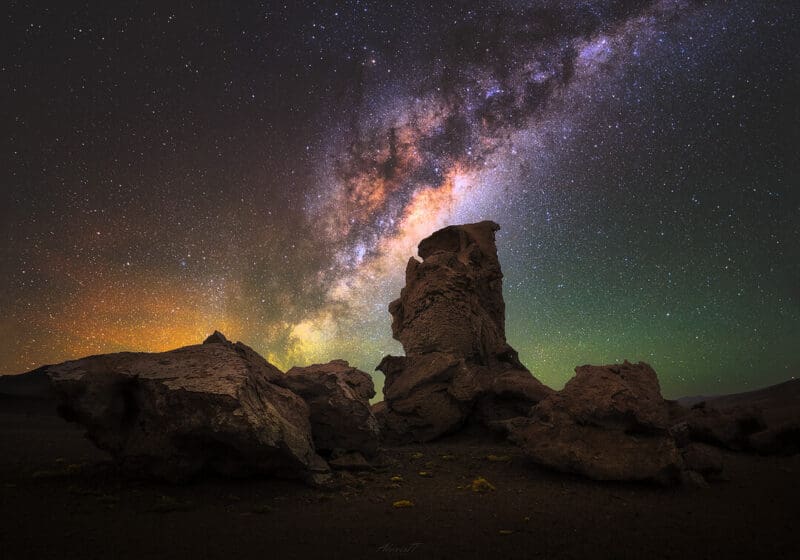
450, 319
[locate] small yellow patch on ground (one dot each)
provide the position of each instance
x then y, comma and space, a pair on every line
480, 484
403, 504
498, 458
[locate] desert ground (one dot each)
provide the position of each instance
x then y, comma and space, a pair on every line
62, 498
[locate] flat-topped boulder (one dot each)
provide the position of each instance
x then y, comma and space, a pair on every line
211, 407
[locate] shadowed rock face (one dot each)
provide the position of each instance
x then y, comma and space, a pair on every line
338, 398
610, 423
211, 407
450, 319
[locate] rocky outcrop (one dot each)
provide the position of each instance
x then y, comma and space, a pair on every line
608, 423
211, 407
765, 421
450, 319
740, 428
729, 428
338, 398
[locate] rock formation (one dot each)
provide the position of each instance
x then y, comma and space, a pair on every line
221, 407
450, 319
609, 423
765, 421
740, 428
338, 398
211, 407
729, 428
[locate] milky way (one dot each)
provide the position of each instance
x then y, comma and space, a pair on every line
268, 171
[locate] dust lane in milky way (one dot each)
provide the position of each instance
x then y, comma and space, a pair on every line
269, 173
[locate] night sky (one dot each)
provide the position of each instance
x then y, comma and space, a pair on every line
267, 169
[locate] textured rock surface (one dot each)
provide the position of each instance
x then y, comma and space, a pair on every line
450, 318
211, 407
608, 423
338, 398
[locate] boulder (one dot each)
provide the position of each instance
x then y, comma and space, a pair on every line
450, 319
210, 407
765, 421
338, 399
729, 428
418, 405
608, 423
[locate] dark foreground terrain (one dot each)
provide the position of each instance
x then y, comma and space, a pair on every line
60, 498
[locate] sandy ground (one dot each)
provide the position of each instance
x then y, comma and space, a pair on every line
60, 498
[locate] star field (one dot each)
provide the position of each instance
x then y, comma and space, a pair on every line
267, 169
